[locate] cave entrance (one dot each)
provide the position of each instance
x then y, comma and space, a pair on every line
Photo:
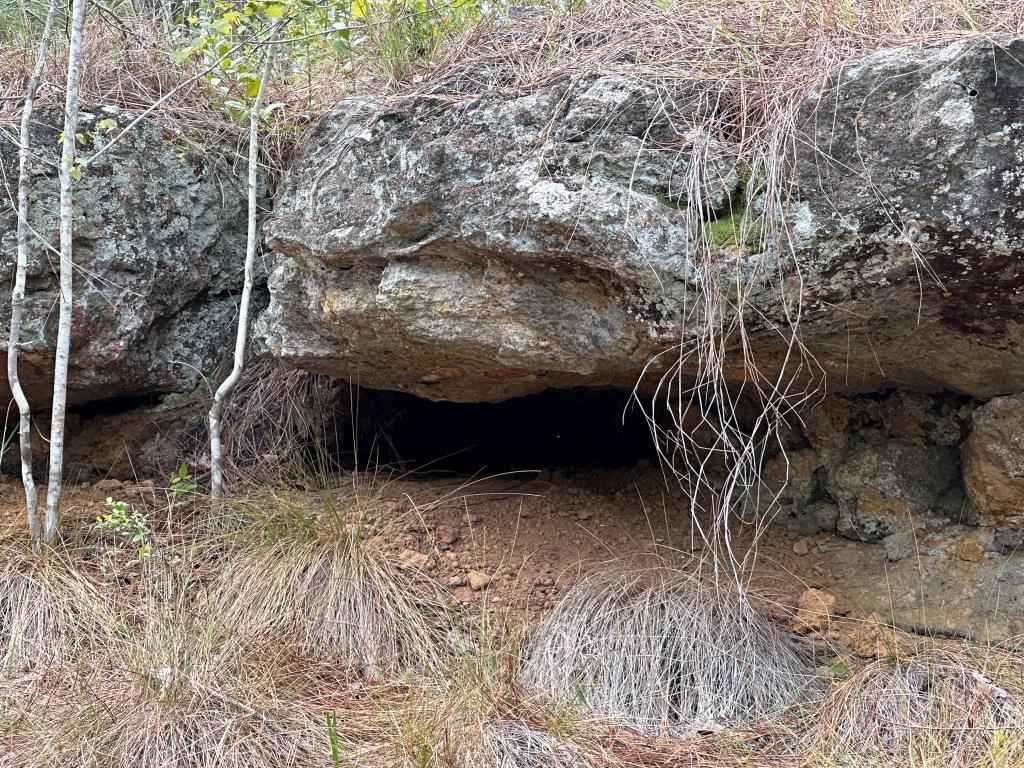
563, 429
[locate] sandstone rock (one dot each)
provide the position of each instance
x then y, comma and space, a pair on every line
461, 251
815, 611
871, 639
900, 545
936, 587
801, 547
793, 477
993, 463
159, 238
468, 246
903, 246
121, 444
447, 534
478, 580
818, 517
410, 558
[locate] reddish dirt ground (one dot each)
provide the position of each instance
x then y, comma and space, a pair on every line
529, 536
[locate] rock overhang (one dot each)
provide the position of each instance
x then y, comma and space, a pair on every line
485, 247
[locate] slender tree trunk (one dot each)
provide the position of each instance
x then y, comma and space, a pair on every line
51, 525
224, 390
18, 294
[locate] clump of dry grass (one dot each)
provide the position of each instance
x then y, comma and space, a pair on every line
327, 582
665, 651
131, 71
48, 610
515, 744
278, 412
168, 687
129, 64
940, 707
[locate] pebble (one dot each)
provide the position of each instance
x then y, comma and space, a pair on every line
413, 559
478, 580
447, 534
801, 547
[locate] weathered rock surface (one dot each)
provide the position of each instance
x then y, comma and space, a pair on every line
159, 245
910, 224
948, 579
993, 459
476, 248
874, 466
466, 252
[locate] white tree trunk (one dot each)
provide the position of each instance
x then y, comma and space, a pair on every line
18, 294
51, 525
224, 390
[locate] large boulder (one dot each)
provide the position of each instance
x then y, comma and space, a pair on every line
466, 245
479, 249
908, 225
159, 243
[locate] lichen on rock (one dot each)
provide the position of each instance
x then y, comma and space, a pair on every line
159, 240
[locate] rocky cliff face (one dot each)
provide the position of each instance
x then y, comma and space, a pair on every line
465, 246
475, 248
481, 250
159, 243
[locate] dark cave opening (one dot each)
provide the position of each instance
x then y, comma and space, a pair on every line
564, 429
114, 405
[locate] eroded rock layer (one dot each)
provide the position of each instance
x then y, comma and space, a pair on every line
479, 247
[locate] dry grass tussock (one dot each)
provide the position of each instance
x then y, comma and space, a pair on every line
133, 69
168, 687
339, 597
46, 603
665, 651
274, 427
280, 413
944, 706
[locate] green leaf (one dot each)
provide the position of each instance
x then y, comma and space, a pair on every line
107, 125
840, 670
274, 11
75, 172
